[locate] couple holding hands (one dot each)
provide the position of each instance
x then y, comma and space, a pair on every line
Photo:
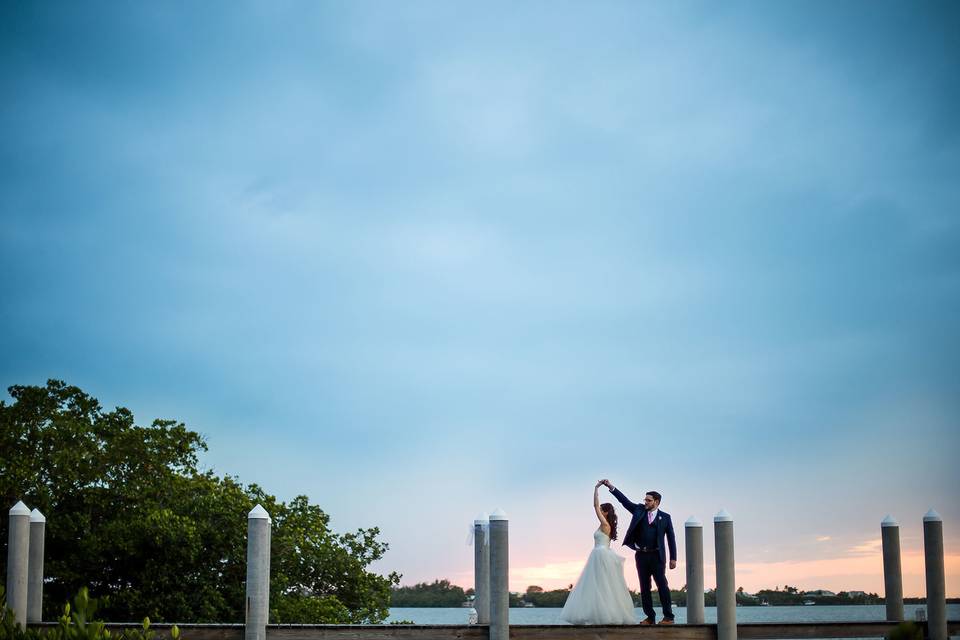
601, 595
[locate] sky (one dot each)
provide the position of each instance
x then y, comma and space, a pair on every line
420, 261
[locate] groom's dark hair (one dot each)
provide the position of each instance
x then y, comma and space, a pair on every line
656, 496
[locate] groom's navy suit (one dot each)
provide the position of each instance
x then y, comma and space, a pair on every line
651, 557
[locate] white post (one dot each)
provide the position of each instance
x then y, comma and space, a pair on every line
38, 524
18, 557
258, 574
892, 573
499, 577
481, 568
726, 577
693, 535
936, 584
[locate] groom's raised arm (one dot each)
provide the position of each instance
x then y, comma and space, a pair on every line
623, 499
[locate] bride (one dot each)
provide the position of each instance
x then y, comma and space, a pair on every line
600, 595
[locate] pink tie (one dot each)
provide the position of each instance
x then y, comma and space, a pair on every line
650, 518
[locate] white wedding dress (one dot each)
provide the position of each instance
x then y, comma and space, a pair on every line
600, 595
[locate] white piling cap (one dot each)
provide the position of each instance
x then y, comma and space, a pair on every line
498, 515
723, 516
36, 516
692, 522
889, 521
481, 519
932, 516
258, 513
19, 509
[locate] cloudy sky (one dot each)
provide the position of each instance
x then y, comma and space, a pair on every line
423, 260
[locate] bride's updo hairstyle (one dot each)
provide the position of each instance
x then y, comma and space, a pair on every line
611, 516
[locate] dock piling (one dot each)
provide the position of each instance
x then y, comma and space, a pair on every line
693, 534
258, 574
892, 572
18, 558
499, 577
726, 577
481, 568
38, 524
936, 585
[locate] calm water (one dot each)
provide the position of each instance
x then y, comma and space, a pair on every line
815, 613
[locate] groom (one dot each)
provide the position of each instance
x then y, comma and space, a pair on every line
645, 536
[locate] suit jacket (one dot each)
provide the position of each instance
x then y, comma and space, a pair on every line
663, 521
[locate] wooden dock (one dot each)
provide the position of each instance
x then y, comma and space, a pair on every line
748, 631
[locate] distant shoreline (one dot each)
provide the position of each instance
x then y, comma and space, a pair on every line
441, 593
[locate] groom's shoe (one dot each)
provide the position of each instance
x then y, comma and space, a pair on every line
648, 621
666, 621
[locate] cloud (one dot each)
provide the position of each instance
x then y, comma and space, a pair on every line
391, 235
868, 547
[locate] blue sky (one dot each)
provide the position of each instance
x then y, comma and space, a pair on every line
421, 261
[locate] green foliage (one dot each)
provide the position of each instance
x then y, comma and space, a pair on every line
310, 562
792, 596
906, 631
776, 597
10, 630
130, 515
539, 598
76, 623
295, 608
439, 593
843, 598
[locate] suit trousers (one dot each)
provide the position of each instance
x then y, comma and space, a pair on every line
650, 566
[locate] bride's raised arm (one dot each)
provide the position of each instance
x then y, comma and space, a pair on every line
604, 525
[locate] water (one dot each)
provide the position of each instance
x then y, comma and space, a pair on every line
816, 613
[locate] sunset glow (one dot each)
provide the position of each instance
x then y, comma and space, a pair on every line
862, 573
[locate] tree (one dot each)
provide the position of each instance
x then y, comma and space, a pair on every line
538, 597
312, 563
131, 516
777, 597
439, 593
